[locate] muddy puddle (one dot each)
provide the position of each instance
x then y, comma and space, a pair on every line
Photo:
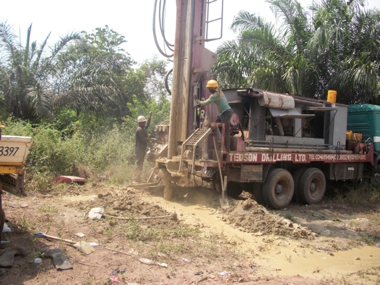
314, 255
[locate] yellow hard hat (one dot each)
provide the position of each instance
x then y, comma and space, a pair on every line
1, 126
212, 83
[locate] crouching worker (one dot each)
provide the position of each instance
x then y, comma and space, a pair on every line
224, 109
142, 139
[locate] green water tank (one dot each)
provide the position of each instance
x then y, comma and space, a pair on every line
365, 119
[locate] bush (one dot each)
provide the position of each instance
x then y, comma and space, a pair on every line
54, 154
16, 127
85, 145
114, 147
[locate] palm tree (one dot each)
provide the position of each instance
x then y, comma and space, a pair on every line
272, 60
235, 64
347, 38
337, 49
92, 75
25, 73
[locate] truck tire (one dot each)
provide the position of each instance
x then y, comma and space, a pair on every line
296, 178
312, 186
257, 191
278, 188
234, 189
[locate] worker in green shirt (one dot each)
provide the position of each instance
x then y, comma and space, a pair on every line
224, 109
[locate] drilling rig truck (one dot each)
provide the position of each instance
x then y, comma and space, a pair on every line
282, 147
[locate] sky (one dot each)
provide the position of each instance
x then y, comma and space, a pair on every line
131, 18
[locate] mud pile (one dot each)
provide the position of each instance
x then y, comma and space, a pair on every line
126, 204
251, 217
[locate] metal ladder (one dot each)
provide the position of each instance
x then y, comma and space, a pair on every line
209, 21
193, 141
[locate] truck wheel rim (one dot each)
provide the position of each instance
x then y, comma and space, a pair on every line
279, 188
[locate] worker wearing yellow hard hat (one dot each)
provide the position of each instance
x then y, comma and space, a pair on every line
224, 109
212, 83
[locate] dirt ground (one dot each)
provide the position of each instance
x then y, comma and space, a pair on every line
143, 239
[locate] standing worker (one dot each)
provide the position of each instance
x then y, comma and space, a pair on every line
224, 109
142, 139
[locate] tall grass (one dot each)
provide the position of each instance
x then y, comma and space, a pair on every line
53, 153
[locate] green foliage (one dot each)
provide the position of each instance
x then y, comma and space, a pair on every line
114, 147
266, 58
154, 72
92, 72
17, 127
109, 152
135, 87
145, 84
25, 72
160, 109
39, 181
51, 153
337, 48
89, 123
79, 103
65, 121
3, 110
106, 40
